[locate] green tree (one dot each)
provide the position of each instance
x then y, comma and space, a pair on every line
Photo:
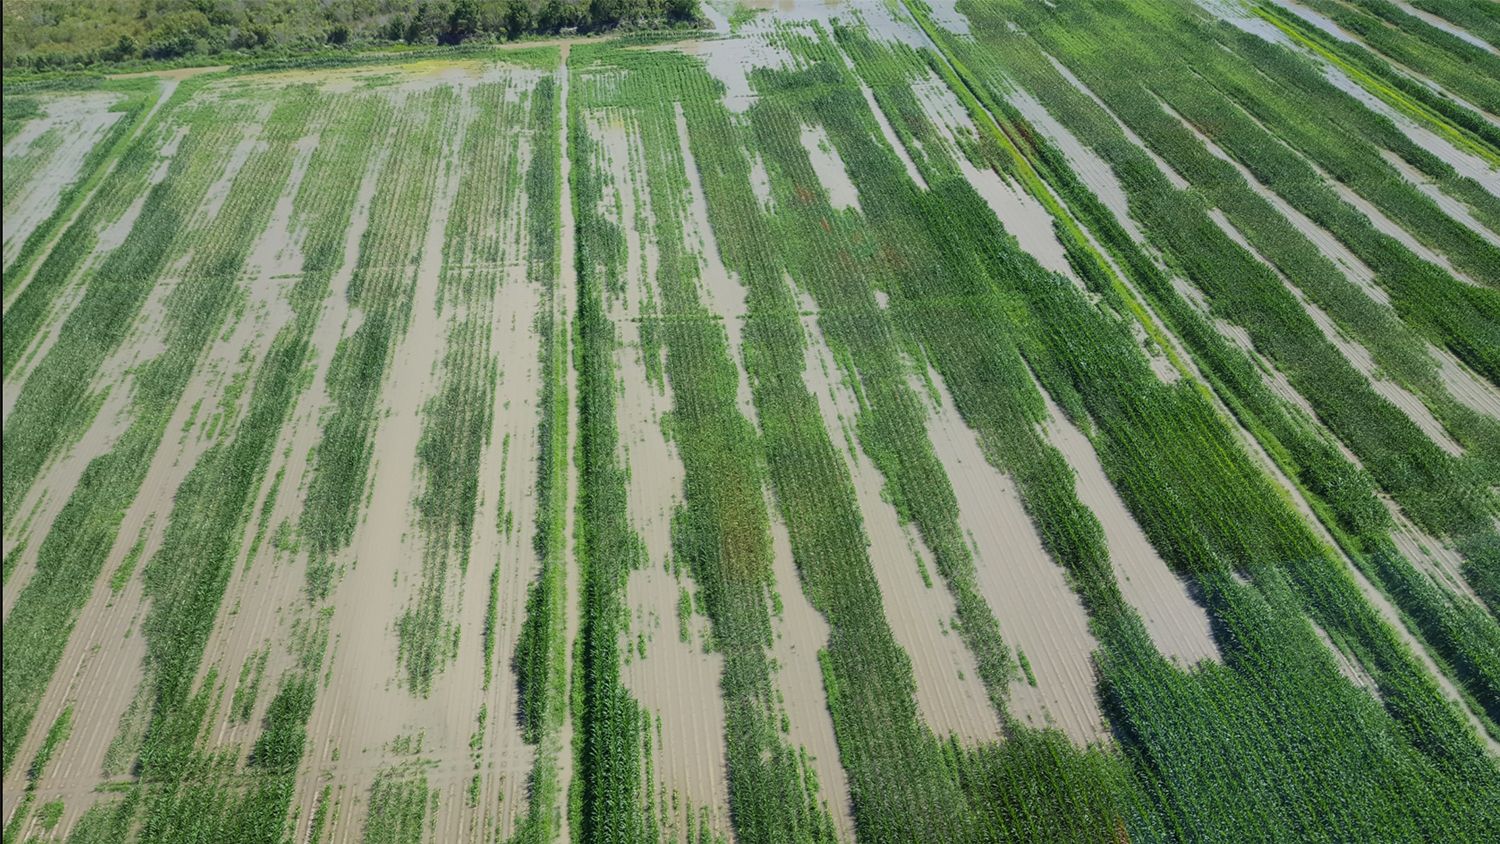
518, 19
463, 22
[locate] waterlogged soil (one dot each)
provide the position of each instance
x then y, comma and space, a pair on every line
1450, 206
111, 388
1021, 214
365, 718
1332, 248
109, 237
1040, 616
719, 290
102, 665
1358, 356
676, 680
1178, 624
1336, 30
800, 633
918, 607
1093, 171
1465, 163
1161, 164
1440, 23
78, 123
842, 194
889, 133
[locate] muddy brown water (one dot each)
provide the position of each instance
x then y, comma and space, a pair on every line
81, 121
920, 611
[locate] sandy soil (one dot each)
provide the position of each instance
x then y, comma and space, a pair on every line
82, 120
1436, 558
950, 696
1348, 666
1177, 623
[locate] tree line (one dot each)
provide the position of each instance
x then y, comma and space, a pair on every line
60, 34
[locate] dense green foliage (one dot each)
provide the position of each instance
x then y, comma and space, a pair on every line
1451, 497
45, 34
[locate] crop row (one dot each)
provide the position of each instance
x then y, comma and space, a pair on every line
1209, 510
608, 798
1367, 69
55, 406
457, 419
540, 660
1435, 490
24, 166
209, 524
902, 778
137, 101
1459, 67
400, 804
721, 535
1449, 499
1473, 18
381, 290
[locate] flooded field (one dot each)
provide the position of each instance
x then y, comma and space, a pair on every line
838, 421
